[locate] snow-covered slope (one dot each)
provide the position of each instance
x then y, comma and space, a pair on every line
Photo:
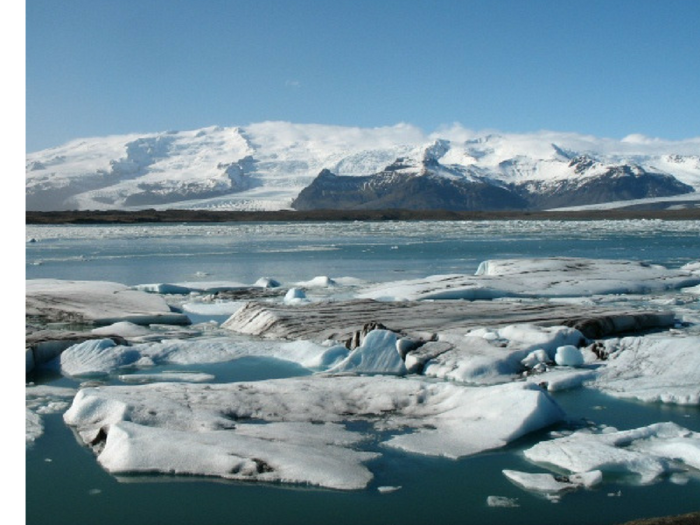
265, 166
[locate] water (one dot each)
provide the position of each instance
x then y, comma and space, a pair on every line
136, 254
66, 485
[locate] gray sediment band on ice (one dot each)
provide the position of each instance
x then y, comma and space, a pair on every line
341, 320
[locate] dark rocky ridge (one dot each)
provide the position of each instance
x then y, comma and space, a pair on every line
391, 190
427, 190
195, 216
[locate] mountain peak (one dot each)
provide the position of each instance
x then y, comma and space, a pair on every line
265, 165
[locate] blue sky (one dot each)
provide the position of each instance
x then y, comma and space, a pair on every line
607, 68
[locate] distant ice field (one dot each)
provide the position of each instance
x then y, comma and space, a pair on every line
373, 251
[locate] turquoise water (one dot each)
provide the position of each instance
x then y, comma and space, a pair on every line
72, 489
64, 483
289, 252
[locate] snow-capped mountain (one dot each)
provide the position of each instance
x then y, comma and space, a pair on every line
280, 165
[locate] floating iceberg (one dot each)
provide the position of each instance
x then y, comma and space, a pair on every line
645, 453
550, 277
42, 400
103, 356
96, 302
291, 430
186, 288
546, 483
654, 368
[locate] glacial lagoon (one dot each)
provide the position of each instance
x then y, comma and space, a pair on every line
66, 484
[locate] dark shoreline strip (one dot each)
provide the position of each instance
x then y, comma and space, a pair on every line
686, 519
169, 216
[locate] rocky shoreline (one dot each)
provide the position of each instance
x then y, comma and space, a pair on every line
169, 216
685, 519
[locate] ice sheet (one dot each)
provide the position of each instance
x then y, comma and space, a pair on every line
98, 302
655, 368
644, 453
160, 426
550, 277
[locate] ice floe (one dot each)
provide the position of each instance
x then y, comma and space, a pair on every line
550, 277
103, 356
552, 486
96, 357
291, 429
34, 427
643, 454
213, 308
41, 400
185, 288
502, 501
97, 302
123, 329
653, 368
321, 281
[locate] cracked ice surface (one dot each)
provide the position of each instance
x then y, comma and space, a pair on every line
216, 430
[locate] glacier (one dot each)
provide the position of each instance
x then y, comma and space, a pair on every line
269, 165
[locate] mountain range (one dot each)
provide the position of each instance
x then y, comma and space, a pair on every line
282, 165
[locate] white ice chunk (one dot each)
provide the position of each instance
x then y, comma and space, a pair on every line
33, 427
192, 377
568, 355
295, 296
386, 489
213, 308
535, 358
555, 380
481, 418
534, 337
502, 501
549, 484
267, 282
647, 452
693, 267
544, 482
377, 355
40, 400
271, 453
487, 356
123, 329
193, 428
321, 281
98, 302
190, 287
654, 368
545, 277
199, 350
96, 357
164, 288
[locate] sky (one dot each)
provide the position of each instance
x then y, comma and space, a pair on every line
608, 68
